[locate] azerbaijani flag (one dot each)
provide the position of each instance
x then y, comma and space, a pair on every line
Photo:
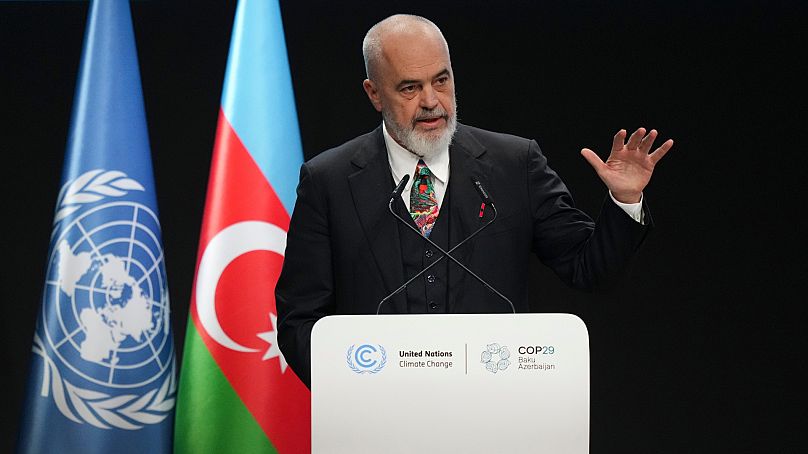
236, 392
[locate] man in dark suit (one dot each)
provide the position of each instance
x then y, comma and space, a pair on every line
345, 251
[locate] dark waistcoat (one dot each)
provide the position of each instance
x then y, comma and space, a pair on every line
427, 294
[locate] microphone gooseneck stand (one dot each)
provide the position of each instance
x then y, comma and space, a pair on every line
486, 200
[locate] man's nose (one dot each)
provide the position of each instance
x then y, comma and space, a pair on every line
429, 98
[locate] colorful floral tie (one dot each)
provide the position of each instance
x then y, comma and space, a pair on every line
423, 203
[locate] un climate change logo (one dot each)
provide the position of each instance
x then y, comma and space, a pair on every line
366, 359
105, 332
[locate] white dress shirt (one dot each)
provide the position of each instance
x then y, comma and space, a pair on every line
403, 162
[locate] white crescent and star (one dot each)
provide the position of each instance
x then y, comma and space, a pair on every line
229, 244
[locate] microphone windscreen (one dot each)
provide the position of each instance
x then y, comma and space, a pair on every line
400, 186
481, 191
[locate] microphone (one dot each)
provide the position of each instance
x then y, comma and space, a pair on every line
486, 199
398, 189
481, 191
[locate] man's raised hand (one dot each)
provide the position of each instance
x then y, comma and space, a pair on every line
628, 169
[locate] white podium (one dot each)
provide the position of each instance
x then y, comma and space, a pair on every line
504, 383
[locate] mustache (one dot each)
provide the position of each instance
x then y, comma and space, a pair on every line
430, 114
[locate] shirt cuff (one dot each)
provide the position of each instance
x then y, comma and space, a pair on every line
632, 209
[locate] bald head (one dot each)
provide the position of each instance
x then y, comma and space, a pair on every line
391, 32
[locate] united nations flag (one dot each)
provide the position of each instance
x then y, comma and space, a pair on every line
103, 372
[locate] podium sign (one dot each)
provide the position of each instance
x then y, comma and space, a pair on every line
450, 383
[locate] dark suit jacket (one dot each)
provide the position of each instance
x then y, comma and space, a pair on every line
343, 250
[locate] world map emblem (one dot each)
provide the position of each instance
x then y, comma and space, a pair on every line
105, 326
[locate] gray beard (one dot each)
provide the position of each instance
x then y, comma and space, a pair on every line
418, 143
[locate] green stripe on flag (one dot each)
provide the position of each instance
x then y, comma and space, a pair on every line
211, 418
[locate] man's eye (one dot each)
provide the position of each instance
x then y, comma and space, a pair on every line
408, 89
442, 80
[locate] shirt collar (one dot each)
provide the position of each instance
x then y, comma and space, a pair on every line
403, 162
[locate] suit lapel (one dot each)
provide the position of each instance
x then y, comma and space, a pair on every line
467, 164
370, 186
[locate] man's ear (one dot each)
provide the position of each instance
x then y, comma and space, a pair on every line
373, 94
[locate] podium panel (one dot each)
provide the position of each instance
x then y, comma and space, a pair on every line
510, 383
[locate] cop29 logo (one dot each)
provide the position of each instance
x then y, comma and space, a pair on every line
366, 358
495, 357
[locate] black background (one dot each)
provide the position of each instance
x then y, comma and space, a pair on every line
701, 350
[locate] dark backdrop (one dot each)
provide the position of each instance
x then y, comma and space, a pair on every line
699, 351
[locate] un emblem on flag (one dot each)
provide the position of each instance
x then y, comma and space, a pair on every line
105, 331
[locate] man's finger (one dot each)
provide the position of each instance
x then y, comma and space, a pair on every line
619, 140
648, 141
593, 159
634, 140
659, 153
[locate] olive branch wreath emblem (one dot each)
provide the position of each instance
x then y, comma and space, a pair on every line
100, 409
92, 186
380, 366
85, 405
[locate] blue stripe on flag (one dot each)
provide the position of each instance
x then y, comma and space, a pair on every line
258, 99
